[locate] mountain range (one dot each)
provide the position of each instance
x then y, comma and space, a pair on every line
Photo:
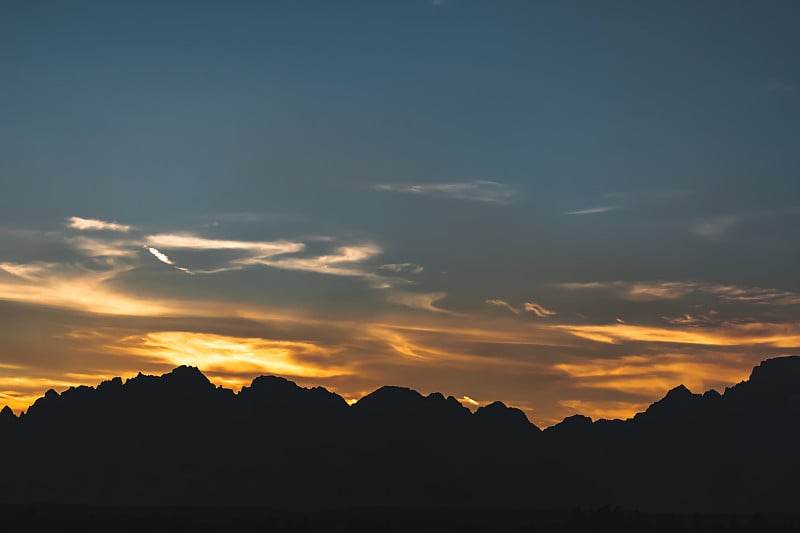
177, 439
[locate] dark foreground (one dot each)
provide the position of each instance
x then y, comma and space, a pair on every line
177, 440
158, 519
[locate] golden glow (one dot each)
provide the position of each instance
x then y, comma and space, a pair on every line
649, 377
19, 392
84, 294
776, 335
415, 345
236, 356
470, 401
653, 375
610, 410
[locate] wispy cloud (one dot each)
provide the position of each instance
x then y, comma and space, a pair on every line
504, 304
340, 261
530, 307
196, 242
411, 268
93, 224
476, 191
593, 210
637, 290
230, 356
29, 272
255, 252
688, 319
643, 291
538, 310
343, 262
424, 301
715, 227
752, 334
757, 295
80, 288
631, 199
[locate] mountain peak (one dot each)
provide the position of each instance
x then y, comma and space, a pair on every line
499, 415
279, 442
7, 414
389, 396
778, 371
572, 424
189, 376
273, 382
681, 391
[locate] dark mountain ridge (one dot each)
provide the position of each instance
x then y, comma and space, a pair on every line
178, 439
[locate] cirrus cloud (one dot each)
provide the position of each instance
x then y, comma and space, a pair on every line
477, 191
93, 224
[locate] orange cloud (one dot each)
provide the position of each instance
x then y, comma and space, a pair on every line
649, 376
19, 392
82, 290
233, 357
753, 334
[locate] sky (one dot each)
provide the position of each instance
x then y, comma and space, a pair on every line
571, 207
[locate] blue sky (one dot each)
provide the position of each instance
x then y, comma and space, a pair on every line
567, 206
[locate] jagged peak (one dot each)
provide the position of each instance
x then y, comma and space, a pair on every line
498, 411
393, 391
576, 422
777, 370
492, 407
186, 370
712, 393
188, 375
389, 394
273, 382
681, 391
436, 396
7, 413
279, 385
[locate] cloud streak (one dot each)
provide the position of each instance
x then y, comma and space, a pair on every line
93, 224
411, 268
530, 307
538, 310
475, 191
644, 291
342, 261
593, 210
751, 334
504, 304
424, 301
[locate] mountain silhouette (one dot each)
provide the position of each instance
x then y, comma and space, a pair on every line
177, 439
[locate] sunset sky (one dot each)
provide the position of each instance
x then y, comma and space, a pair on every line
566, 206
